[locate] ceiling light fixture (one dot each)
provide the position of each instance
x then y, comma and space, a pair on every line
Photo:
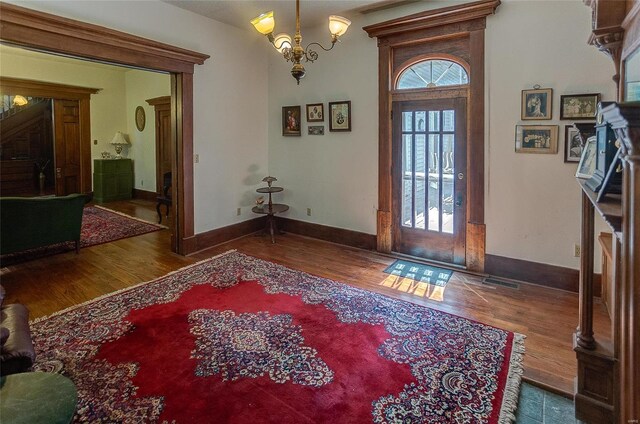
265, 24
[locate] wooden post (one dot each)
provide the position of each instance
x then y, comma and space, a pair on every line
585, 330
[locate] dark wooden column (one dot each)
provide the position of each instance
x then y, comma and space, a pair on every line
585, 330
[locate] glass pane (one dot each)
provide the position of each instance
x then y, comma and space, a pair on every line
432, 73
448, 120
421, 121
434, 182
434, 120
407, 180
448, 182
407, 121
420, 181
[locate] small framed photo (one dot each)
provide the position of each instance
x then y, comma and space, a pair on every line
340, 118
315, 129
536, 104
537, 139
572, 144
579, 106
315, 112
291, 121
587, 164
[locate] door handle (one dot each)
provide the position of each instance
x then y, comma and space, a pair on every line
459, 200
460, 175
58, 172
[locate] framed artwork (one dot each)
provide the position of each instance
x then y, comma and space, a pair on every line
140, 118
579, 106
291, 121
587, 164
316, 129
340, 118
537, 139
536, 104
572, 144
315, 112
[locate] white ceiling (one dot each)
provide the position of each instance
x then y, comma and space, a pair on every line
312, 12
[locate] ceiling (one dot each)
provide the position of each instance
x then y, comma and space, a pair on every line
312, 12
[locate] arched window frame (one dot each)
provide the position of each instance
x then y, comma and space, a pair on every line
424, 58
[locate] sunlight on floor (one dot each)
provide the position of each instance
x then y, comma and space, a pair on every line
416, 288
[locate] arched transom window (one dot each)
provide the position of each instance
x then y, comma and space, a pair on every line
432, 73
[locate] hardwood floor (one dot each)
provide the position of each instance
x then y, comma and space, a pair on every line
547, 317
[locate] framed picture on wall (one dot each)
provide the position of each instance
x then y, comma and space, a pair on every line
536, 104
579, 106
572, 144
587, 164
340, 116
291, 121
315, 129
537, 139
315, 112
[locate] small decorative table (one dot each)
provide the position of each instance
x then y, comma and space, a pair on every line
270, 209
37, 397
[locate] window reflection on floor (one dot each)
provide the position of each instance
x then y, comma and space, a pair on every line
416, 288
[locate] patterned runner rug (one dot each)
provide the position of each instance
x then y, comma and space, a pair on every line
238, 339
99, 225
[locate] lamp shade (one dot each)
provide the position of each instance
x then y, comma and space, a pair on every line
264, 23
19, 100
338, 25
282, 41
119, 139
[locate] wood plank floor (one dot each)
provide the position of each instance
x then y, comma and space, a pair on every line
546, 316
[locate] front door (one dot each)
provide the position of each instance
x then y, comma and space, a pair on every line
67, 139
429, 179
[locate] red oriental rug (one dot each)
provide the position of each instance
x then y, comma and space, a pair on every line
99, 225
238, 339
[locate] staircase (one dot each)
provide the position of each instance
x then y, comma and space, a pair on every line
9, 108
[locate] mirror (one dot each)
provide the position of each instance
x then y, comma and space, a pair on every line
632, 77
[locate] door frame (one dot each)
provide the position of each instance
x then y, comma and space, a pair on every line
49, 33
458, 238
460, 25
62, 92
159, 104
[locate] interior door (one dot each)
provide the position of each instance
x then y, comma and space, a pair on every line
429, 179
67, 139
163, 141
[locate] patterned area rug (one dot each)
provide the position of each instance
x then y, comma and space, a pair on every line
99, 225
238, 339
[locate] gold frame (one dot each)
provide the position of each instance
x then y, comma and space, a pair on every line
547, 114
553, 141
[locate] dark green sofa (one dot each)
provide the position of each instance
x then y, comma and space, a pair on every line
27, 222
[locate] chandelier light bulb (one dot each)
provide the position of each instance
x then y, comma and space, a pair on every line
338, 25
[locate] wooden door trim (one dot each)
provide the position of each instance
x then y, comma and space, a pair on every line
162, 103
52, 33
159, 101
62, 92
468, 21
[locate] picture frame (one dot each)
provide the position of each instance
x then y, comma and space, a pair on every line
572, 144
140, 118
579, 106
536, 104
315, 129
587, 164
537, 139
291, 121
315, 112
340, 116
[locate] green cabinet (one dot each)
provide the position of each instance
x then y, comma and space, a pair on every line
112, 179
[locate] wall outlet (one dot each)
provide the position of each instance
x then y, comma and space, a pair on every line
576, 250
308, 211
196, 158
141, 182
238, 211
95, 142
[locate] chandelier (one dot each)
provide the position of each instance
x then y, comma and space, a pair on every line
265, 24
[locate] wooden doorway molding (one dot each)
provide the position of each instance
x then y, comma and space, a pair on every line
407, 40
81, 95
162, 117
54, 34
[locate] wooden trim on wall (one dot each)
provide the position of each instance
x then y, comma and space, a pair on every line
150, 196
50, 33
554, 276
327, 233
230, 232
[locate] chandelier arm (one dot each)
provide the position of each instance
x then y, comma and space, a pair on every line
320, 45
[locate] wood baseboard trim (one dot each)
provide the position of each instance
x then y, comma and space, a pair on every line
221, 235
144, 195
553, 276
547, 387
327, 233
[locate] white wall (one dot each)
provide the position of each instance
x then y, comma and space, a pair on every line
230, 97
532, 201
140, 86
107, 113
